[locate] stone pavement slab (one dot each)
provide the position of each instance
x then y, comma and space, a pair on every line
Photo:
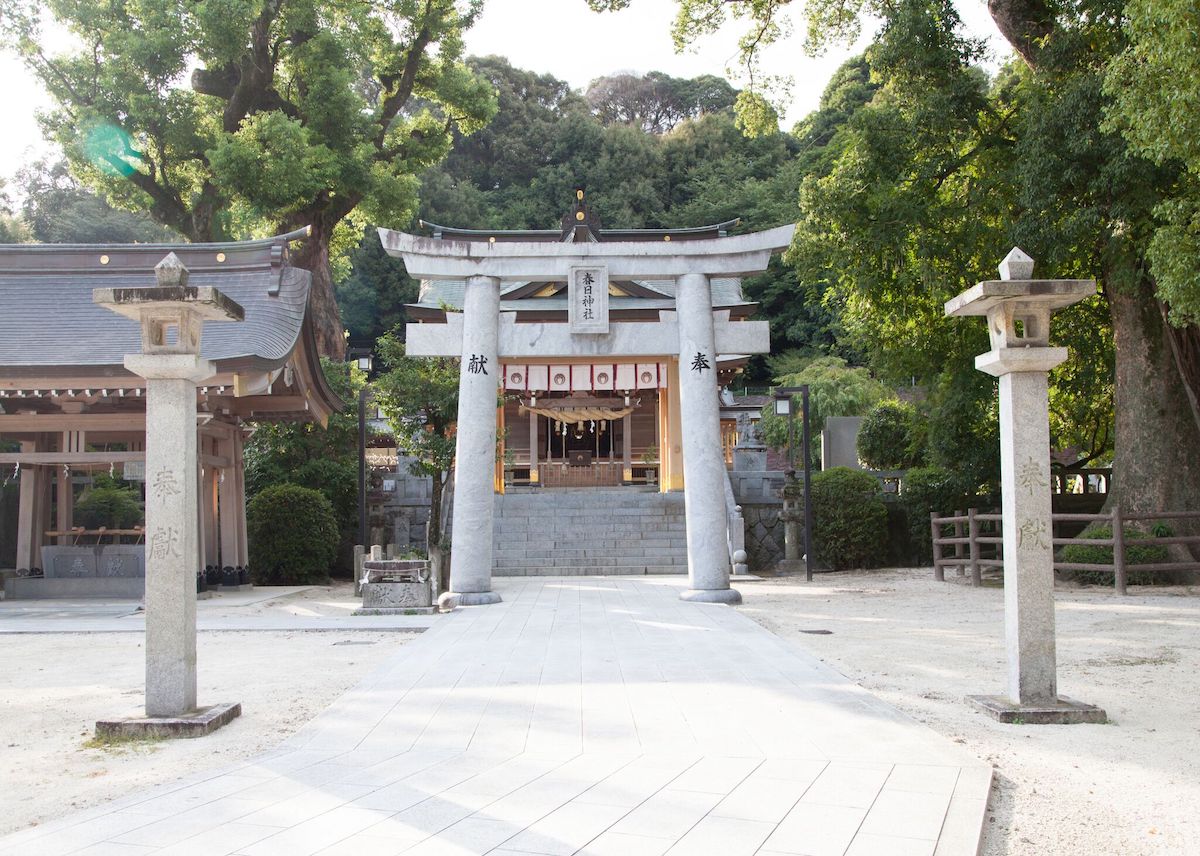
99, 615
580, 715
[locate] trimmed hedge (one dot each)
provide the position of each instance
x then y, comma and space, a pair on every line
929, 489
849, 519
293, 535
1135, 554
891, 437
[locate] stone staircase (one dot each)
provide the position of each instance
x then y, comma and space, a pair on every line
589, 531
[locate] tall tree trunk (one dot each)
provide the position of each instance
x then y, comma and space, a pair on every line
1157, 456
313, 255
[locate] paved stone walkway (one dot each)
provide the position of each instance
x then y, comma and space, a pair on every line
584, 715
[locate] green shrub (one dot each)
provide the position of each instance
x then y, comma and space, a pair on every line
849, 519
927, 489
293, 535
1135, 554
108, 506
891, 437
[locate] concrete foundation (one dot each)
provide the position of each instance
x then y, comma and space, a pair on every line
1061, 711
202, 722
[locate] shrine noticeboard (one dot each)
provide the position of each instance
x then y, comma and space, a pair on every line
587, 292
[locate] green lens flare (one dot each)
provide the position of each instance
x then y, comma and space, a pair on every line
109, 149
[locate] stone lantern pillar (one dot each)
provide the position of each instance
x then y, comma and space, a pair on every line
171, 316
1018, 310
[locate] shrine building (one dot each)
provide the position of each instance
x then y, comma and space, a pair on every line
579, 419
69, 409
591, 358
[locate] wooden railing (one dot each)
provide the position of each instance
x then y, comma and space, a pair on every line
79, 532
974, 531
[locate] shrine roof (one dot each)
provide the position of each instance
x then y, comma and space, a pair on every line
585, 229
49, 322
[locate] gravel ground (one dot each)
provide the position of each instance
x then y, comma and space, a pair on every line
1128, 788
54, 687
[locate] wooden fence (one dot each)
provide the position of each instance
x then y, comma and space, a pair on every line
974, 531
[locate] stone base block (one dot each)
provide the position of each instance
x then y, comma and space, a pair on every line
451, 599
202, 722
397, 596
788, 566
396, 610
730, 596
1064, 711
37, 588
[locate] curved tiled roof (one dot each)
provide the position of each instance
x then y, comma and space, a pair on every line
49, 322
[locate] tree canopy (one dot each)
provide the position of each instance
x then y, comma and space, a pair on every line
223, 119
1078, 151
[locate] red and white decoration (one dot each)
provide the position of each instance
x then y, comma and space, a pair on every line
598, 377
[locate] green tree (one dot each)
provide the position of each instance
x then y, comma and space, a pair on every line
1078, 198
656, 102
311, 456
834, 389
419, 397
892, 436
12, 229
60, 211
372, 297
299, 113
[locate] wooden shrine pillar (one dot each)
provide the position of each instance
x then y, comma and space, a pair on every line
29, 524
208, 503
670, 440
231, 500
627, 447
534, 476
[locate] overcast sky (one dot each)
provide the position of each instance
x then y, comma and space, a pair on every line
561, 37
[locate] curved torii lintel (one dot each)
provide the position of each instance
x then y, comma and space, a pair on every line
737, 255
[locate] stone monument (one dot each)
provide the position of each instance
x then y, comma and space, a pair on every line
1018, 309
171, 315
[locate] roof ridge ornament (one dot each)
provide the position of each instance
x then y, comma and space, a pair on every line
581, 223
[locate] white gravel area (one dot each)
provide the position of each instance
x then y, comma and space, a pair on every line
53, 688
1128, 788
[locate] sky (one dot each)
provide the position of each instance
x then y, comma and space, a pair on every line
560, 37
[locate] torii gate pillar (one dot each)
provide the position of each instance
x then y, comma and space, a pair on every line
482, 339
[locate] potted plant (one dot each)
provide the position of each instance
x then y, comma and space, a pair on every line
650, 459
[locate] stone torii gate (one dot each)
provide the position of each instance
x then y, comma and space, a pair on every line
482, 336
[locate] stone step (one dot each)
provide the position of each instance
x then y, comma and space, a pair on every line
599, 561
588, 525
569, 551
589, 532
591, 571
584, 530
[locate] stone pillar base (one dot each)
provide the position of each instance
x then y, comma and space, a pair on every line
730, 596
196, 724
451, 599
1063, 711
